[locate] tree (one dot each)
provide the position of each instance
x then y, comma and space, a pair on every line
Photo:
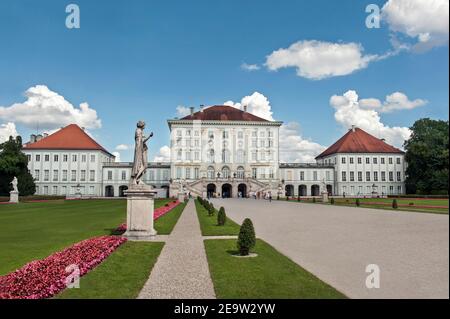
13, 162
427, 157
246, 238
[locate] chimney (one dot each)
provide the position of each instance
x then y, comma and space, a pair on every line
192, 110
383, 139
45, 134
245, 108
38, 137
353, 128
201, 107
32, 138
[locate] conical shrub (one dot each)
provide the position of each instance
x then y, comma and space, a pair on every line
221, 217
394, 204
357, 202
246, 238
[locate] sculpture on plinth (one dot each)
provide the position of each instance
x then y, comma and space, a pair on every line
14, 194
324, 191
140, 197
140, 154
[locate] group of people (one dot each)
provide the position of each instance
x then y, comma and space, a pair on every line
261, 195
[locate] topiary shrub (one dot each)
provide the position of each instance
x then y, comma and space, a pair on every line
278, 197
314, 200
332, 201
411, 204
221, 217
287, 198
211, 210
246, 238
298, 198
357, 202
394, 204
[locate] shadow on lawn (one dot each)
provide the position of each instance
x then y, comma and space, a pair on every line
114, 231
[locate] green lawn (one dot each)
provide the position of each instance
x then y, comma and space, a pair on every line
269, 275
165, 224
366, 203
208, 224
30, 231
121, 275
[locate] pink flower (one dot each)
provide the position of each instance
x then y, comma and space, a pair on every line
45, 278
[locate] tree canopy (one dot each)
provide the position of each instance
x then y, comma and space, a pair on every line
427, 157
13, 162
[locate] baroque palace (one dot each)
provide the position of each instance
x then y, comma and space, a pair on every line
218, 151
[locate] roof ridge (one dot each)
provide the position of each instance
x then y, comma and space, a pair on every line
70, 137
356, 140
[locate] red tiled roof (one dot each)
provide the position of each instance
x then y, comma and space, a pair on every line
223, 113
71, 137
359, 141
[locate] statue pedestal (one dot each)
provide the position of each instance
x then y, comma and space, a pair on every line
77, 195
181, 197
13, 196
140, 209
325, 197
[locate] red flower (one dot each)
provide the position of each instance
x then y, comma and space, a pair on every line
47, 277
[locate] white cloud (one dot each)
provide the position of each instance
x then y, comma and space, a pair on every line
117, 155
294, 148
7, 130
318, 60
183, 111
425, 21
349, 112
399, 101
393, 102
257, 104
163, 155
122, 147
50, 110
250, 67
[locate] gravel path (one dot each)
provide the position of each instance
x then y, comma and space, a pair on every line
181, 271
336, 243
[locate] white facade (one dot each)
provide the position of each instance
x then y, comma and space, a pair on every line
116, 177
230, 153
361, 174
307, 179
227, 158
58, 172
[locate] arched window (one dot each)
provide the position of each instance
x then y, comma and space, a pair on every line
210, 172
225, 172
240, 172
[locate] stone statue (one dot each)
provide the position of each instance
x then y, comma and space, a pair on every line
140, 154
14, 184
324, 184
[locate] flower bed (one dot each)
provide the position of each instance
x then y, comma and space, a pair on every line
160, 211
47, 277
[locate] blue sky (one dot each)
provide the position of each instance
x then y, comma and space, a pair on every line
141, 59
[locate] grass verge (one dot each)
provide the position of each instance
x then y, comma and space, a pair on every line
208, 224
122, 275
269, 275
165, 224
